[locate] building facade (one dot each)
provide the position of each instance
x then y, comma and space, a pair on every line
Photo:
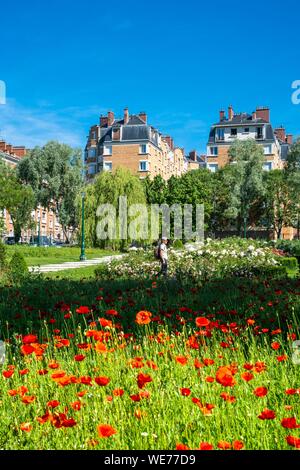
243, 126
45, 221
132, 143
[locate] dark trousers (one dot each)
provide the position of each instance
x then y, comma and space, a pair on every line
164, 267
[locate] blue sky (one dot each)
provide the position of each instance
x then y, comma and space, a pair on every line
65, 62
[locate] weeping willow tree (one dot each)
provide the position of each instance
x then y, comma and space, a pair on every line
106, 190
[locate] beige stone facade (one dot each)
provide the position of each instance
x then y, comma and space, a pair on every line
132, 143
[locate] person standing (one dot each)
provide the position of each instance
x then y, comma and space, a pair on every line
163, 255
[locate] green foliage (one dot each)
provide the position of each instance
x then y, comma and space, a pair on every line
292, 247
246, 179
291, 264
270, 272
55, 174
18, 270
3, 259
177, 244
106, 189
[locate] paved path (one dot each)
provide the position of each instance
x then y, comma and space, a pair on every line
73, 264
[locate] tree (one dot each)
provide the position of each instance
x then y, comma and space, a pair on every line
17, 199
106, 189
155, 190
55, 174
279, 206
292, 171
247, 158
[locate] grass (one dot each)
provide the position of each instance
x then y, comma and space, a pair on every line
36, 256
158, 385
72, 274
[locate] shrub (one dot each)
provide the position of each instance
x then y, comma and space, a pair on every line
177, 244
18, 270
3, 261
272, 272
291, 264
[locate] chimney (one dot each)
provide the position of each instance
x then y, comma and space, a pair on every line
19, 151
280, 133
169, 141
263, 113
103, 121
289, 139
222, 115
2, 145
143, 117
254, 116
230, 113
193, 155
126, 116
110, 118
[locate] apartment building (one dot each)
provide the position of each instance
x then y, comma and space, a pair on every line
45, 221
132, 143
243, 126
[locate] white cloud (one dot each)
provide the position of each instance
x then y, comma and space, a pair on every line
36, 126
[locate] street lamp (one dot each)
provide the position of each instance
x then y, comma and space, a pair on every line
245, 227
82, 255
39, 229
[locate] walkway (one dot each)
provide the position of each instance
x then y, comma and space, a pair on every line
49, 268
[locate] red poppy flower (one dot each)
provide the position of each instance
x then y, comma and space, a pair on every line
293, 441
225, 377
260, 391
112, 312
53, 404
143, 379
83, 310
202, 321
143, 317
209, 379
224, 445
7, 373
105, 430
76, 405
181, 360
208, 362
105, 323
237, 445
247, 376
282, 358
28, 339
227, 397
275, 345
290, 423
185, 392
26, 427
79, 357
205, 446
43, 372
28, 399
118, 392
86, 380
135, 397
102, 381
182, 447
267, 414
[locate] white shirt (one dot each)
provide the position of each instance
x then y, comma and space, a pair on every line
164, 251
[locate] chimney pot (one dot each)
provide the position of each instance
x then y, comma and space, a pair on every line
222, 115
143, 117
230, 113
263, 113
289, 139
126, 116
111, 118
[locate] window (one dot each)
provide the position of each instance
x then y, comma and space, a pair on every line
107, 150
92, 153
44, 217
107, 166
213, 167
220, 134
246, 130
92, 169
214, 151
93, 134
143, 165
143, 148
259, 132
267, 149
268, 166
233, 132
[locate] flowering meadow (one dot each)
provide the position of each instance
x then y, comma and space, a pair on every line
150, 364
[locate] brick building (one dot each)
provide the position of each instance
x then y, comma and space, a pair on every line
132, 143
243, 126
44, 219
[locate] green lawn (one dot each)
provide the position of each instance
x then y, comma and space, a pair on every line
36, 256
73, 274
